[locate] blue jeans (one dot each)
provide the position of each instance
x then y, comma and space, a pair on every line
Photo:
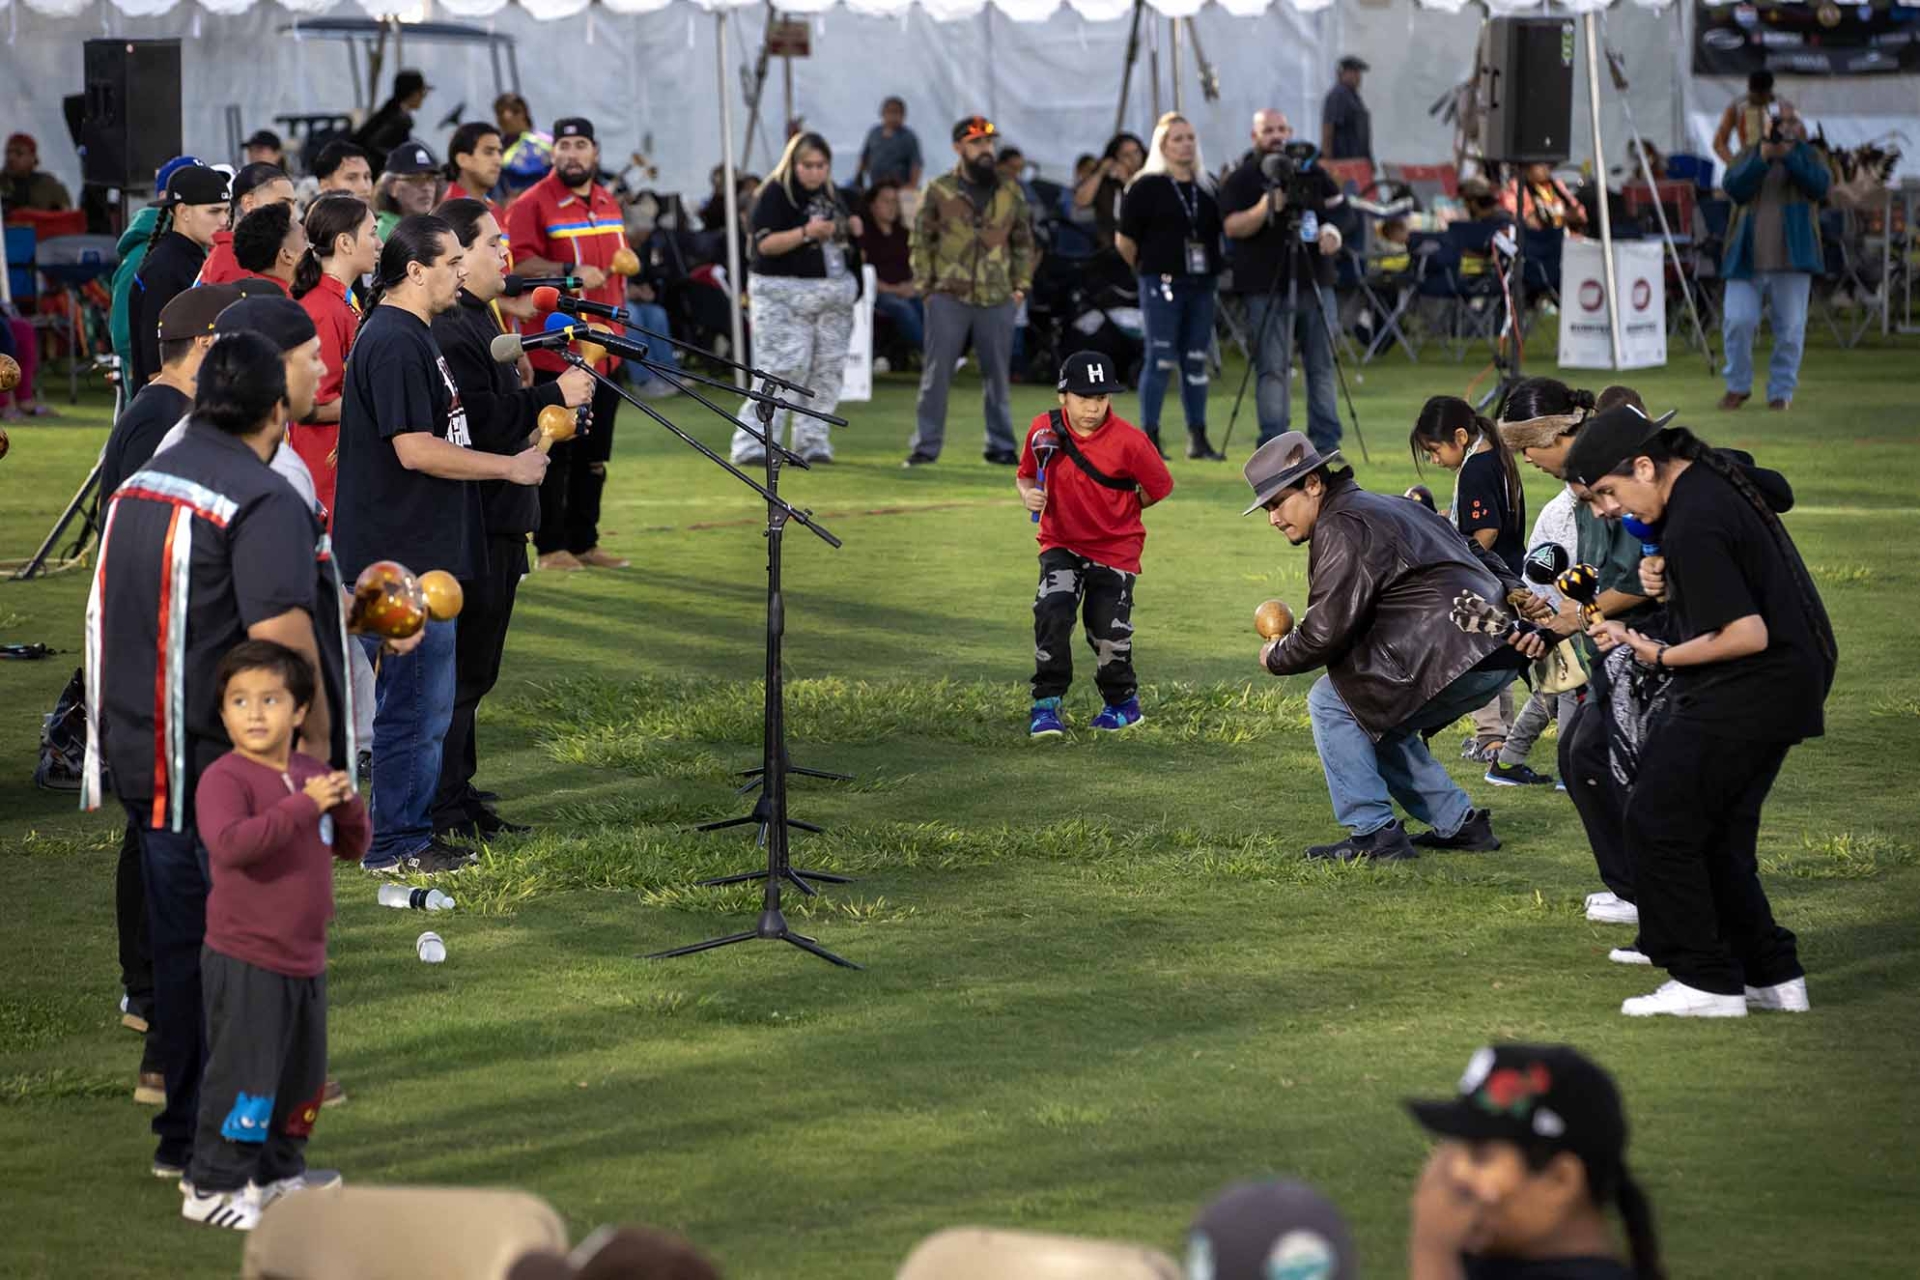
413, 707
1784, 293
1273, 390
175, 867
1179, 333
907, 314
651, 315
1362, 773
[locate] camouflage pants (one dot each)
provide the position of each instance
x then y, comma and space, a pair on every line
801, 330
1072, 587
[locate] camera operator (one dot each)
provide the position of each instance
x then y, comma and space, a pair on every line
1269, 198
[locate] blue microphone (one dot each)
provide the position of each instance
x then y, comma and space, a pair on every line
1649, 534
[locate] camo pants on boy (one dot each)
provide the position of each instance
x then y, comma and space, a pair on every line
266, 1073
1073, 588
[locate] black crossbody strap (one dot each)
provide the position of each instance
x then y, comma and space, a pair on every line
1064, 434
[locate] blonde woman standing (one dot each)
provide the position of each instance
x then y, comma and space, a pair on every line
804, 280
1170, 235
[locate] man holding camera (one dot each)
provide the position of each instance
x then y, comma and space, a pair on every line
1773, 253
1275, 197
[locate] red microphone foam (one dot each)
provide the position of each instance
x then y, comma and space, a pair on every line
546, 298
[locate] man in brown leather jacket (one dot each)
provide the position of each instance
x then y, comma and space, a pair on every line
1410, 621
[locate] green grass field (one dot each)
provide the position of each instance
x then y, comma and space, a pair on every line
1101, 983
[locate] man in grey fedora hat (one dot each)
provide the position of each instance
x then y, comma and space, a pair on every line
1410, 621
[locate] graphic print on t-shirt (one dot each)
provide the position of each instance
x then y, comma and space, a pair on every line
456, 412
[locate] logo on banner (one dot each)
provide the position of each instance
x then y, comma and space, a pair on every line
1593, 295
1642, 294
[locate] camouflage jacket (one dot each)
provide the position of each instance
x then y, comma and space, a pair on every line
980, 259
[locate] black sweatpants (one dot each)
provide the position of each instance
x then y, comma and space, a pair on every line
1693, 823
266, 1073
136, 951
1600, 800
1074, 588
576, 476
478, 647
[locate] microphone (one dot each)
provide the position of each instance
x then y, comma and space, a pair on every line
1545, 563
1045, 445
517, 285
548, 298
1649, 534
509, 347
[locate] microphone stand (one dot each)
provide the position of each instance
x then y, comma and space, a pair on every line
769, 812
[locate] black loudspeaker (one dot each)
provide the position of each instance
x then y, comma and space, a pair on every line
1525, 89
131, 119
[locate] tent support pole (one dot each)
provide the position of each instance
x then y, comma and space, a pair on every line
1173, 59
730, 195
1126, 72
1600, 171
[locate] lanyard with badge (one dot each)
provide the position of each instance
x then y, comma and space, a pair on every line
1196, 248
326, 819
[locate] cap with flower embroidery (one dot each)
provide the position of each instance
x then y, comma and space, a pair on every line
1535, 1096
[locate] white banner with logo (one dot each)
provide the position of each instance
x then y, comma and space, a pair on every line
857, 382
1584, 340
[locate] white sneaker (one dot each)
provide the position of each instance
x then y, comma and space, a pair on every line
1627, 955
311, 1180
1679, 1000
1782, 997
1609, 908
234, 1210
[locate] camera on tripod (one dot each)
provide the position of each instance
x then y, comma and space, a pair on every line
1286, 171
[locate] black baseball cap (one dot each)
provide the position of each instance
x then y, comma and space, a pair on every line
1351, 63
573, 127
408, 83
1090, 373
194, 184
1608, 439
280, 320
263, 138
1535, 1095
192, 312
1263, 1230
410, 158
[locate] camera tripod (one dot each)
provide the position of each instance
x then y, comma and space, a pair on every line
1290, 268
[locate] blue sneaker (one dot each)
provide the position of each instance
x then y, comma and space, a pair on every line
1046, 722
1124, 716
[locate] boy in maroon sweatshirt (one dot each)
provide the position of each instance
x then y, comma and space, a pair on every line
273, 820
1086, 475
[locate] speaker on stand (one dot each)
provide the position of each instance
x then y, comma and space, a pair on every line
130, 116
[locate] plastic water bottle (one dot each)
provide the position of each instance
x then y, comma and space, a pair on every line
431, 949
404, 897
1309, 227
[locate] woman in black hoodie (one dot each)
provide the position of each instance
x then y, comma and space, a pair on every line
1749, 655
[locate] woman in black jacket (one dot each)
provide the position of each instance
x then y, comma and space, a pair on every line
1751, 655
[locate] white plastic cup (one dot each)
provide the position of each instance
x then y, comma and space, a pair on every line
431, 949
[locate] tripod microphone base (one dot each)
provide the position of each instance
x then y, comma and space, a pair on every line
772, 926
796, 876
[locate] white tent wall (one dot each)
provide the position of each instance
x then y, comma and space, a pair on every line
1050, 85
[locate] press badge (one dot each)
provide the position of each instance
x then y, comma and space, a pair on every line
1196, 258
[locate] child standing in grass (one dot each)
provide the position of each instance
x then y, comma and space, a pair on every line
1488, 507
1087, 474
273, 819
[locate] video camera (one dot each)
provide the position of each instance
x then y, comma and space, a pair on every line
1286, 171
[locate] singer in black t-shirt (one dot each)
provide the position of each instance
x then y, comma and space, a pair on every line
1258, 225
408, 491
1751, 656
1170, 235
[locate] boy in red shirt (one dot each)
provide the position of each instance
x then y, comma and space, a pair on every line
1087, 474
273, 819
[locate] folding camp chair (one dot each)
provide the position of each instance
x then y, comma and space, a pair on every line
1472, 283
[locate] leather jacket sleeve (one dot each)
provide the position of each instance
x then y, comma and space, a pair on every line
1340, 597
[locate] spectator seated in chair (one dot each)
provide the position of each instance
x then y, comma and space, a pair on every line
885, 243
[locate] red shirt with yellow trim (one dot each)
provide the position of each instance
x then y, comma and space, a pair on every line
549, 221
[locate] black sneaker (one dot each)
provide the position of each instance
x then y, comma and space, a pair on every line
1200, 448
1474, 836
363, 766
1516, 775
1153, 435
919, 460
492, 824
1001, 457
1388, 844
440, 858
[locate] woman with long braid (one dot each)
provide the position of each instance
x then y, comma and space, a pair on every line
342, 246
1751, 655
